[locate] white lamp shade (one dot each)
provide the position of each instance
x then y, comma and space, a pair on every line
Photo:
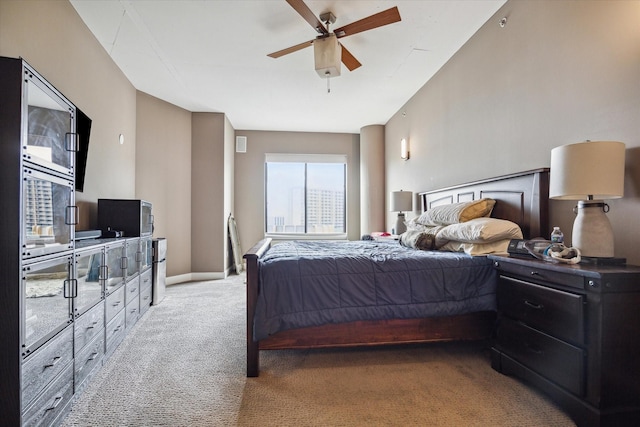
327, 54
401, 201
587, 170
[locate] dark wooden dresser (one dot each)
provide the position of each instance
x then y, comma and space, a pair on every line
572, 331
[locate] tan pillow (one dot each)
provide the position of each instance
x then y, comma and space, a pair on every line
497, 247
480, 230
455, 213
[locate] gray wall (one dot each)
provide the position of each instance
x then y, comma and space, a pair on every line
559, 72
163, 175
211, 185
249, 175
372, 194
154, 163
73, 61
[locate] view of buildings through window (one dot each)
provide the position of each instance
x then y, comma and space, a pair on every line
305, 198
38, 209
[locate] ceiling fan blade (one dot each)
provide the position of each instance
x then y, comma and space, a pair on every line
308, 15
291, 49
348, 59
385, 17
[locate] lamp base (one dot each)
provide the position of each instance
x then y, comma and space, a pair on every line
400, 226
592, 232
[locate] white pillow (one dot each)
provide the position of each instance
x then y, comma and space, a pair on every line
480, 230
497, 247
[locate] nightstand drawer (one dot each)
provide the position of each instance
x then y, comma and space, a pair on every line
555, 359
555, 312
537, 274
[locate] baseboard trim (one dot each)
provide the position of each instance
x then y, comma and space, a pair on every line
192, 277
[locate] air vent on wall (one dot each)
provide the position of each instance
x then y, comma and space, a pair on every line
241, 144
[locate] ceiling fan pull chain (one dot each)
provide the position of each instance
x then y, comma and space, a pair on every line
328, 85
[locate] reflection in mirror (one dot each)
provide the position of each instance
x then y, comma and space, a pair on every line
46, 308
45, 202
49, 122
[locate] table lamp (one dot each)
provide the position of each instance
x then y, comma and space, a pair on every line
589, 172
401, 201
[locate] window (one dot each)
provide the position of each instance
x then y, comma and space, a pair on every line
305, 194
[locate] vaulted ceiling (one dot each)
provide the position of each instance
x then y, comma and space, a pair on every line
211, 56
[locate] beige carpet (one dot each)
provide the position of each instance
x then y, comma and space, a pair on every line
184, 365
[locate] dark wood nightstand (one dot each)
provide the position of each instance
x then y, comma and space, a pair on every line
572, 331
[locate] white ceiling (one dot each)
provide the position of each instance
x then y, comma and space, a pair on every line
211, 56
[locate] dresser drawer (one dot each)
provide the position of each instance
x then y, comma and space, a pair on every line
146, 280
555, 312
145, 299
115, 332
534, 273
561, 362
48, 408
133, 312
115, 303
45, 363
133, 290
88, 359
87, 326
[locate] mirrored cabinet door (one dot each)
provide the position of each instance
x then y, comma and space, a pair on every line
146, 253
115, 266
47, 291
50, 130
48, 214
133, 257
88, 268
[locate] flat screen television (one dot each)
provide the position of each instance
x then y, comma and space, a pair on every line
83, 129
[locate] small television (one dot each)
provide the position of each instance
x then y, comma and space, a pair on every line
130, 216
83, 129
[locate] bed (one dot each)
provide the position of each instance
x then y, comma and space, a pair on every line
521, 198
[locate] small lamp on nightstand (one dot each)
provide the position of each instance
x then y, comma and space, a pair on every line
401, 201
589, 172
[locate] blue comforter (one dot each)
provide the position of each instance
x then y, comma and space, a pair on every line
311, 283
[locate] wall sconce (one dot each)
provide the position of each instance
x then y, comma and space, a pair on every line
404, 149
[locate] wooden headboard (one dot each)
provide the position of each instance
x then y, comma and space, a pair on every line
520, 197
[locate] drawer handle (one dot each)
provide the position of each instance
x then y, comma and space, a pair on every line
53, 362
93, 356
55, 404
533, 349
535, 273
93, 325
115, 304
534, 305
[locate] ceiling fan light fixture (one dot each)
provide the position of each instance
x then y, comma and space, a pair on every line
328, 56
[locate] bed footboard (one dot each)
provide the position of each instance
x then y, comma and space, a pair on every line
252, 257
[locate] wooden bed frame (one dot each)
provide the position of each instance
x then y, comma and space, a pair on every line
522, 198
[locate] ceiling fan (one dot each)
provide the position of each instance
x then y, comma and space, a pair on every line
328, 52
